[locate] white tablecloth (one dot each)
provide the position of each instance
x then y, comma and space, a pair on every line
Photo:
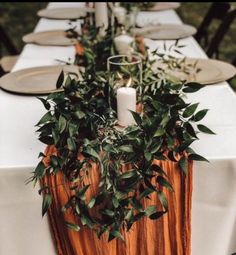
24, 232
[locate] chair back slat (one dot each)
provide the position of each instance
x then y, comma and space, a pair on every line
213, 48
8, 44
217, 11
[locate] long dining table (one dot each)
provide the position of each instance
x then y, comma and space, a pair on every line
23, 231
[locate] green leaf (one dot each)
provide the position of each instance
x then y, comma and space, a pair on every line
82, 191
79, 114
60, 80
171, 156
54, 161
150, 210
108, 212
46, 139
135, 203
62, 124
200, 115
190, 130
185, 145
73, 129
113, 234
137, 118
47, 201
159, 132
192, 87
197, 157
115, 202
183, 164
46, 117
147, 155
126, 148
205, 129
190, 110
158, 169
155, 147
165, 120
55, 136
128, 174
149, 184
129, 215
145, 193
163, 200
45, 103
86, 221
163, 182
156, 215
92, 203
139, 216
71, 144
102, 230
40, 170
89, 150
120, 195
72, 226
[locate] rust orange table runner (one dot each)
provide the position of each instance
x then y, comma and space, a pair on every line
168, 235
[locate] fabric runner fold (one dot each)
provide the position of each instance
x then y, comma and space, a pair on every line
168, 235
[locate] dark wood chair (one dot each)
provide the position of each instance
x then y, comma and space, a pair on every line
7, 62
217, 11
234, 63
213, 48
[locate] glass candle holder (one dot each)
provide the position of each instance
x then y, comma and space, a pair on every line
125, 78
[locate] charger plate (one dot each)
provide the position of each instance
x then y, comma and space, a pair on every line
49, 38
162, 6
211, 71
36, 80
64, 13
165, 31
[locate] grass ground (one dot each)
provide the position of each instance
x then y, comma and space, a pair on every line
20, 18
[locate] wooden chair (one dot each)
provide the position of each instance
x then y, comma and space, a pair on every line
7, 62
217, 11
213, 48
234, 63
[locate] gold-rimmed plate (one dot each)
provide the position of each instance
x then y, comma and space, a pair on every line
210, 71
165, 31
37, 80
65, 13
161, 6
49, 38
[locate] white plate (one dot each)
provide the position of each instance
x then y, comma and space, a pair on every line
50, 38
36, 80
65, 13
165, 31
211, 71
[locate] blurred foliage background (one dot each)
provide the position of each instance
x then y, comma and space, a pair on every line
20, 18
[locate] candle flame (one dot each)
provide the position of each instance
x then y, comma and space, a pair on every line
129, 82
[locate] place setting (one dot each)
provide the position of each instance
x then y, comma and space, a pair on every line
203, 71
165, 31
50, 38
37, 80
71, 13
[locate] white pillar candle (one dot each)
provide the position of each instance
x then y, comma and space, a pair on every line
101, 17
123, 44
126, 100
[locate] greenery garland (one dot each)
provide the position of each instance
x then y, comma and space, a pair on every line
80, 121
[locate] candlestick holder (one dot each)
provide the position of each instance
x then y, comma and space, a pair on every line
125, 79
